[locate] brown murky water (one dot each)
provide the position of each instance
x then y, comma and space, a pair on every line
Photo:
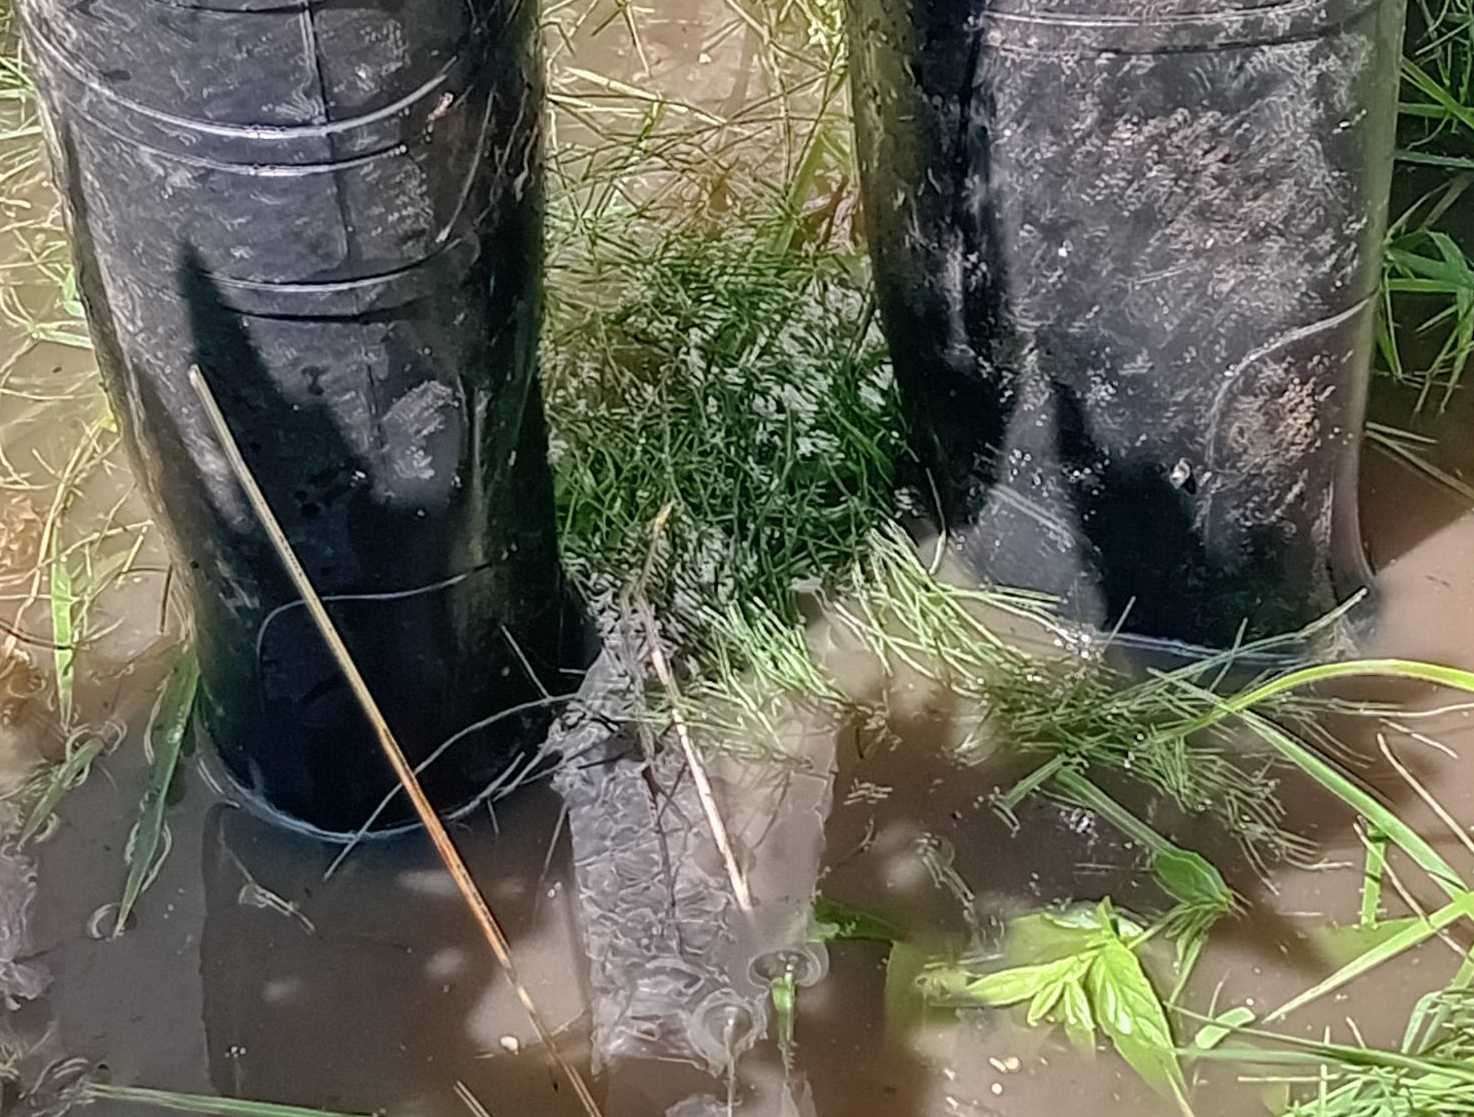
248, 974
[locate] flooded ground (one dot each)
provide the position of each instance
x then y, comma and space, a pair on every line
248, 972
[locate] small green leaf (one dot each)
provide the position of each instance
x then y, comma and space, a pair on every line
1079, 917
1191, 878
1046, 999
166, 729
956, 985
1130, 1013
838, 922
1078, 1019
71, 298
1211, 1035
1275, 1096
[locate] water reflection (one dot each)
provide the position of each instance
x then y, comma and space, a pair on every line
373, 989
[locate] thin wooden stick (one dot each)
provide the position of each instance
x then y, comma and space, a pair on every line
719, 833
704, 793
444, 846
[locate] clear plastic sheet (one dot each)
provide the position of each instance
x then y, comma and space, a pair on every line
678, 973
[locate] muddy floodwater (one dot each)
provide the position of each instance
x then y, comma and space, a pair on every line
256, 966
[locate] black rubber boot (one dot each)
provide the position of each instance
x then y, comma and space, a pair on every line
1126, 263
335, 212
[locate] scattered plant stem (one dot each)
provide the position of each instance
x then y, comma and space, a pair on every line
202, 1104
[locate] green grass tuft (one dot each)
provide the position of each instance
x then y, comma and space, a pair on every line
746, 389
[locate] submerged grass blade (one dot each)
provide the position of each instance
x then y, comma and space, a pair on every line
784, 994
1407, 456
1454, 678
1371, 879
65, 776
835, 921
1186, 876
64, 653
202, 1104
1385, 820
166, 738
1307, 1052
1411, 936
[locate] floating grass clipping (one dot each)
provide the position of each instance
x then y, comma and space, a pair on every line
64, 651
165, 739
202, 1104
1431, 1074
82, 748
1167, 732
1070, 711
1411, 450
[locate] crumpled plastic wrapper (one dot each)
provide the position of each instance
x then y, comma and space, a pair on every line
670, 952
655, 913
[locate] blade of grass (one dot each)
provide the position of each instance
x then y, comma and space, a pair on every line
202, 1104
1349, 792
65, 776
1427, 159
1322, 1052
471, 1101
1371, 879
1452, 677
64, 652
1411, 936
1416, 461
1444, 102
165, 738
1302, 1051
1185, 875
